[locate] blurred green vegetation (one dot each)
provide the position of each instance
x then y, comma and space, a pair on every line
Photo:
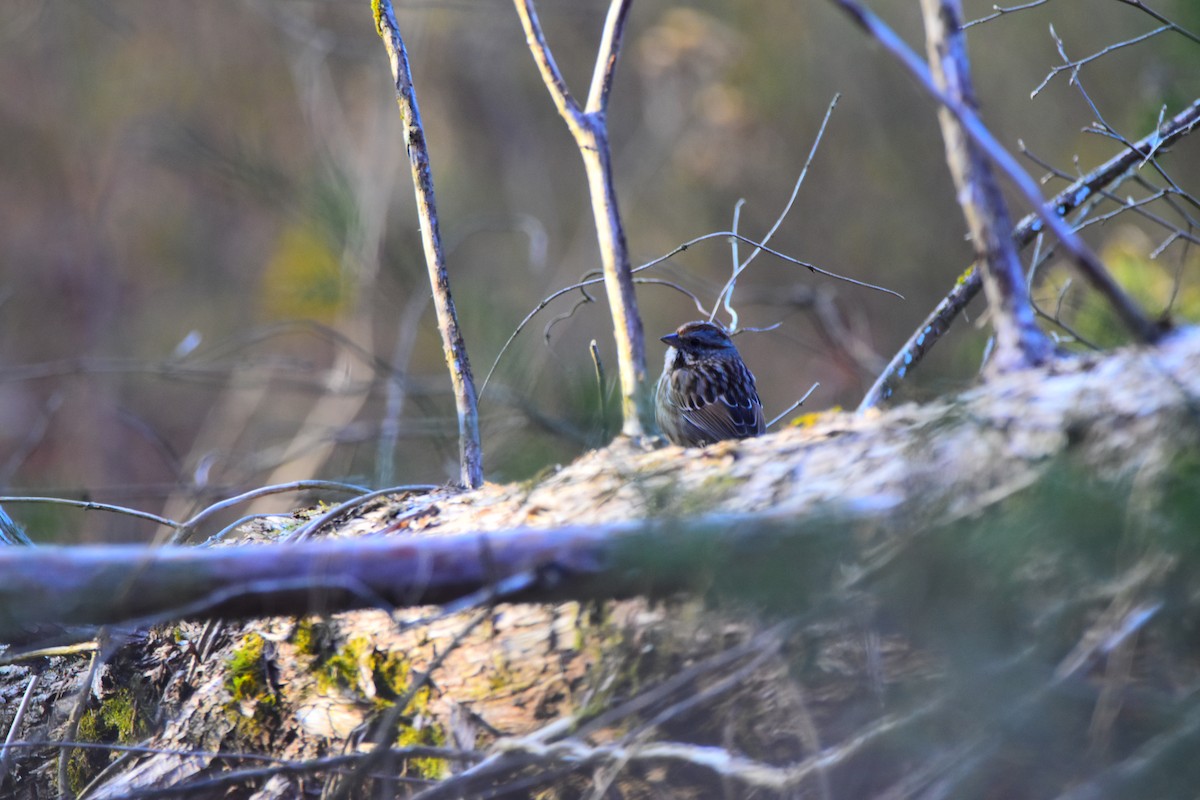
1056, 629
174, 177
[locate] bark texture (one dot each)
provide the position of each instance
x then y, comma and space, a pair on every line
956, 597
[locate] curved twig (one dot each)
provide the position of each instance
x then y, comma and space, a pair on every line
968, 283
727, 290
1082, 256
184, 531
794, 405
654, 263
589, 129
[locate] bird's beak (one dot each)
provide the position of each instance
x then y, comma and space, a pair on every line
671, 339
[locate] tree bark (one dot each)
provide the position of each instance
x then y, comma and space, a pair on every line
1020, 342
810, 523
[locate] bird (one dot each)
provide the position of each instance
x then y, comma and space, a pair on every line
706, 392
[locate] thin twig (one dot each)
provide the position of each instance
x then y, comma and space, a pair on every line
312, 526
72, 729
1075, 65
1081, 255
601, 385
7, 751
969, 283
665, 257
274, 766
793, 406
727, 290
455, 351
1138, 4
240, 521
998, 11
727, 296
590, 130
768, 648
91, 505
510, 753
187, 529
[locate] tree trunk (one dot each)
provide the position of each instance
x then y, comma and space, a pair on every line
1022, 536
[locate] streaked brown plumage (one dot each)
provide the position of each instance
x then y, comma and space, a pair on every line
706, 393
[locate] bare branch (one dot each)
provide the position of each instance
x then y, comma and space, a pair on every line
999, 11
186, 529
550, 298
726, 293
1020, 342
315, 524
94, 506
1075, 65
727, 296
601, 385
6, 750
794, 405
590, 131
606, 56
1082, 256
453, 348
1138, 4
970, 282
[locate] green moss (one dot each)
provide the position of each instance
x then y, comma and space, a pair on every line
312, 637
344, 670
425, 735
812, 418
501, 677
340, 670
246, 682
119, 713
114, 721
244, 672
80, 770
416, 727
393, 674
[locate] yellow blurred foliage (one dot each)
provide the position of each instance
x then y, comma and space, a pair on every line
1166, 285
812, 418
304, 279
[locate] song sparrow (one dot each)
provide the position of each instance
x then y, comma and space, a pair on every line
705, 393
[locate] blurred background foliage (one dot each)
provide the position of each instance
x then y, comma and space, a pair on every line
211, 269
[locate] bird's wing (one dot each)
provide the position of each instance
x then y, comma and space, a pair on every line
724, 419
719, 416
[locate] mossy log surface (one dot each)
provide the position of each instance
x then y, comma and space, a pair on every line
1002, 577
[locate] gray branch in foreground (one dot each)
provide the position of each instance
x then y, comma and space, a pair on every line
131, 584
1020, 342
912, 464
969, 283
453, 348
